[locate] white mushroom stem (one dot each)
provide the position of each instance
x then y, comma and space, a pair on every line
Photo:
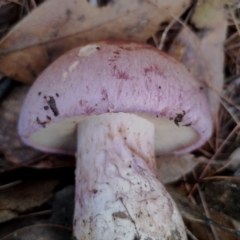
118, 193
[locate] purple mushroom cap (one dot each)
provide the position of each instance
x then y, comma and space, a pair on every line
112, 77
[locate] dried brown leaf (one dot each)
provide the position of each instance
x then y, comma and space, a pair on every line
53, 161
61, 213
223, 196
10, 144
197, 222
25, 196
41, 232
202, 53
5, 2
172, 168
225, 229
46, 33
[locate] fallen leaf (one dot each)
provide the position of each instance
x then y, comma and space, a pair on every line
45, 33
14, 150
5, 2
41, 232
53, 161
25, 196
223, 196
224, 229
10, 144
63, 206
202, 52
9, 13
196, 221
172, 168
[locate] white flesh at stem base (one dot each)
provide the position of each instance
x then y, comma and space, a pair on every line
118, 193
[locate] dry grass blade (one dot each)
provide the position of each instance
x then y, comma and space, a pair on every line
213, 178
203, 174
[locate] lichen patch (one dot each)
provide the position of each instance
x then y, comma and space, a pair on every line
88, 50
64, 75
73, 66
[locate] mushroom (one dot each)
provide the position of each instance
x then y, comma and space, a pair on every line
117, 105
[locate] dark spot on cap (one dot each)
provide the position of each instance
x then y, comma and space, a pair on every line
179, 117
159, 87
45, 97
57, 95
201, 88
43, 124
120, 74
48, 118
83, 102
157, 116
52, 104
129, 166
104, 94
155, 70
46, 107
98, 48
39, 93
68, 13
95, 191
89, 110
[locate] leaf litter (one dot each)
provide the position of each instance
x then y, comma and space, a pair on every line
45, 33
27, 50
29, 194
202, 52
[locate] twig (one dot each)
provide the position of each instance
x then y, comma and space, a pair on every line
213, 178
190, 234
10, 184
